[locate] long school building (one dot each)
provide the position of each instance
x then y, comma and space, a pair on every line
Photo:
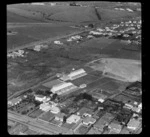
63, 88
77, 74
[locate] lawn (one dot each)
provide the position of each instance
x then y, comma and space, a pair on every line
36, 113
84, 80
47, 116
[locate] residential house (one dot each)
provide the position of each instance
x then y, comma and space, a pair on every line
59, 116
133, 124
14, 101
88, 120
73, 119
115, 126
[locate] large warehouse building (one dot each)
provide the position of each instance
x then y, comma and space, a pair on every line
77, 74
63, 88
74, 75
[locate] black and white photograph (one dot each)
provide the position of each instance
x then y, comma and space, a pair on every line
74, 68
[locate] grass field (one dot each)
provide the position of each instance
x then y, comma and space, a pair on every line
36, 113
36, 32
84, 80
47, 116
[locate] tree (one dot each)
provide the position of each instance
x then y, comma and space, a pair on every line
54, 97
64, 119
72, 3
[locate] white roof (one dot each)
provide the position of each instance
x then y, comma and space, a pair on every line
61, 86
76, 72
73, 118
55, 110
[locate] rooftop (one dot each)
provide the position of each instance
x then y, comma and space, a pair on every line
89, 120
85, 110
60, 115
61, 86
77, 72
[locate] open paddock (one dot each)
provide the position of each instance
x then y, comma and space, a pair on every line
48, 116
124, 99
84, 80
96, 73
111, 87
98, 82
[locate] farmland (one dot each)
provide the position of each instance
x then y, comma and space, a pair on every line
27, 33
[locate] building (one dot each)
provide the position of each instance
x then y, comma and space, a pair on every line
14, 101
53, 4
45, 107
95, 33
129, 10
88, 121
104, 121
63, 88
77, 74
89, 36
58, 42
36, 3
94, 131
55, 110
85, 112
73, 119
59, 116
133, 124
115, 127
101, 97
65, 77
40, 98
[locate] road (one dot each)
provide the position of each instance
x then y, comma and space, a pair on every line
35, 124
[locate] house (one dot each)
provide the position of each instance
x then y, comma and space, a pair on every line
104, 121
36, 3
133, 124
58, 42
89, 36
100, 124
73, 119
54, 109
129, 10
94, 131
115, 126
95, 33
99, 29
14, 101
88, 120
101, 97
40, 98
52, 4
59, 116
85, 111
125, 35
45, 107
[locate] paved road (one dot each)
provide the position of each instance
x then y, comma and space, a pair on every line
34, 123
